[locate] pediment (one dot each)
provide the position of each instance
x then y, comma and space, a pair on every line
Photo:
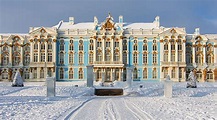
173, 31
42, 31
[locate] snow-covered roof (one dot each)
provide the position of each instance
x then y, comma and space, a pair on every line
211, 36
139, 25
68, 25
19, 34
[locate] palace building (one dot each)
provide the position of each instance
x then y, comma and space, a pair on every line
64, 51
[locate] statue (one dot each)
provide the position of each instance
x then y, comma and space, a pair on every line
18, 80
192, 79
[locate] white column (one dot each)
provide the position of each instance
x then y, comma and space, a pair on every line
38, 73
45, 70
46, 51
177, 73
121, 50
31, 52
103, 75
184, 52
121, 74
161, 51
215, 54
112, 49
193, 54
176, 54
39, 55
169, 53
10, 55
54, 52
94, 50
204, 54
113, 75
0, 57
103, 49
21, 56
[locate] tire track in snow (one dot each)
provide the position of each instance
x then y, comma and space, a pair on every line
110, 111
74, 110
139, 113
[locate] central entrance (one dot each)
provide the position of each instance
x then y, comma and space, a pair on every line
108, 74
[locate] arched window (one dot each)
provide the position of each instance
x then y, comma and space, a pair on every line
145, 47
42, 46
91, 58
154, 47
5, 48
188, 58
26, 59
135, 73
5, 58
42, 73
81, 46
62, 46
71, 73
165, 46
154, 58
16, 48
61, 58
116, 74
165, 72
145, 58
198, 58
125, 57
210, 75
36, 46
80, 73
27, 48
199, 74
49, 46
80, 60
61, 73
145, 75
154, 73
135, 47
165, 56
71, 58
26, 74
16, 59
173, 46
108, 56
49, 72
99, 56
135, 58
180, 56
116, 56
91, 47
43, 57
209, 58
49, 57
173, 56
5, 75
35, 57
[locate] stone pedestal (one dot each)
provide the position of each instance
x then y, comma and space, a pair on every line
168, 88
129, 76
90, 76
51, 86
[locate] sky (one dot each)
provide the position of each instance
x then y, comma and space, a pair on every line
16, 16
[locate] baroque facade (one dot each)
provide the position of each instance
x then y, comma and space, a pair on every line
65, 50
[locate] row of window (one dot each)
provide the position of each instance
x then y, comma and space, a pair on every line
71, 73
199, 58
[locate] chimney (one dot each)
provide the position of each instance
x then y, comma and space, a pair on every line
121, 20
157, 21
95, 20
71, 20
197, 31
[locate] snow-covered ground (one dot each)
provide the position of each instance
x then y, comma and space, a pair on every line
79, 103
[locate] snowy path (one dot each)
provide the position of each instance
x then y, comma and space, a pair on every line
109, 108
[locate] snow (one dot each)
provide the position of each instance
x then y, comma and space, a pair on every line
84, 25
140, 26
148, 102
